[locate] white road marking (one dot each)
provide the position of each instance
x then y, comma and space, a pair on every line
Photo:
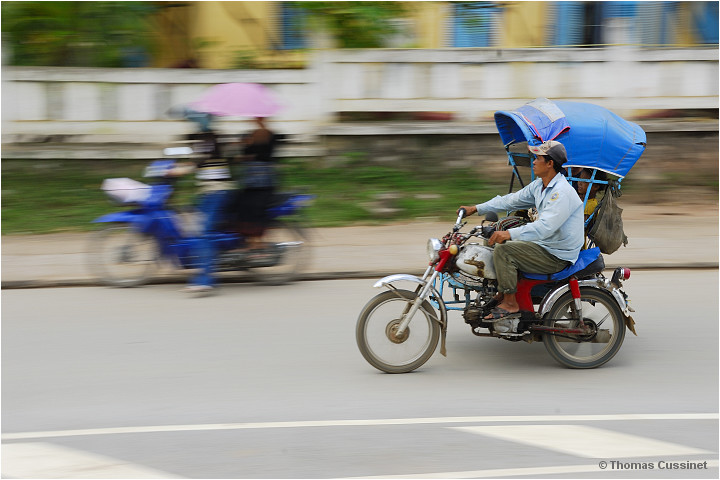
43, 460
582, 441
360, 423
519, 472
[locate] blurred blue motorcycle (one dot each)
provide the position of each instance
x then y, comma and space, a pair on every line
128, 251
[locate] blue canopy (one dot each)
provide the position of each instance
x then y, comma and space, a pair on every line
593, 136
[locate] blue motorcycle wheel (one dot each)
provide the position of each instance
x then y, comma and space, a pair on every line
284, 256
120, 256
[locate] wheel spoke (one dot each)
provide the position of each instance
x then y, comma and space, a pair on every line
603, 320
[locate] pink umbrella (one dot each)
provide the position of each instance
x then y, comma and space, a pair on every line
238, 99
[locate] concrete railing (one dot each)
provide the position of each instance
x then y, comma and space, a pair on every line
77, 105
475, 83
126, 105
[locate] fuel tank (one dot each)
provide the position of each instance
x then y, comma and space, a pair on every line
477, 260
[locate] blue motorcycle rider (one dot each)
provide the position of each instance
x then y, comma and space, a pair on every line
215, 183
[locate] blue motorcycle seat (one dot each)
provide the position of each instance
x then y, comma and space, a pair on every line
585, 258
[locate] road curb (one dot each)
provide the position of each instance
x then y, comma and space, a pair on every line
315, 276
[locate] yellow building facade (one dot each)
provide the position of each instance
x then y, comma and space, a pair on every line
221, 35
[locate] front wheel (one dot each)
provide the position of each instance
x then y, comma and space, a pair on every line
376, 327
120, 256
606, 323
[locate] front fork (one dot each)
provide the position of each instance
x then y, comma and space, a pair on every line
412, 309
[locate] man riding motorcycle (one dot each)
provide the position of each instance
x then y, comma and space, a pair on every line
547, 245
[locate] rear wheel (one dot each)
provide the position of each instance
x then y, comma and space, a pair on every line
376, 327
285, 255
121, 256
606, 323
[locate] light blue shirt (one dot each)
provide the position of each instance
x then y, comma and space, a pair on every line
559, 228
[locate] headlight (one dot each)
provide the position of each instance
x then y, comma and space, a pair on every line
433, 248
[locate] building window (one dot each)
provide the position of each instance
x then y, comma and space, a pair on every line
292, 27
577, 23
644, 23
475, 24
648, 23
569, 23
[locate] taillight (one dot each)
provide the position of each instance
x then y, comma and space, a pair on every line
620, 273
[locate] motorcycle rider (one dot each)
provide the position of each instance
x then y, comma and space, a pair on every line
214, 186
547, 245
247, 208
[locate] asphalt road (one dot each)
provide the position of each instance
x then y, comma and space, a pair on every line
262, 382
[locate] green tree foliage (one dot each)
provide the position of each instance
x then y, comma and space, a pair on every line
78, 34
356, 24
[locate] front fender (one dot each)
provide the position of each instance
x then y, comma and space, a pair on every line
159, 223
396, 278
390, 279
553, 296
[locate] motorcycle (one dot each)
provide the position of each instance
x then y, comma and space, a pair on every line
129, 249
581, 317
578, 313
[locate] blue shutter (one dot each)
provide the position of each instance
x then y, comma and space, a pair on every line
706, 22
642, 24
669, 14
474, 24
652, 22
292, 20
569, 23
620, 9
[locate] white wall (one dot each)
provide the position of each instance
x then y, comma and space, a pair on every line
130, 105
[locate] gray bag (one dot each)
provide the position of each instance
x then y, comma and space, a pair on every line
606, 231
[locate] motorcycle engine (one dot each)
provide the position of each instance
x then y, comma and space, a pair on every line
474, 313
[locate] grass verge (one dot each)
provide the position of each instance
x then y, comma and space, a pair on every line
64, 195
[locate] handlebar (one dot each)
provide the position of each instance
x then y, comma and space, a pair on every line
485, 231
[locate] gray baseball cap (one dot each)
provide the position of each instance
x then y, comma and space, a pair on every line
552, 149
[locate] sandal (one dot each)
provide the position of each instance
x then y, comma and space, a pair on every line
499, 313
491, 304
